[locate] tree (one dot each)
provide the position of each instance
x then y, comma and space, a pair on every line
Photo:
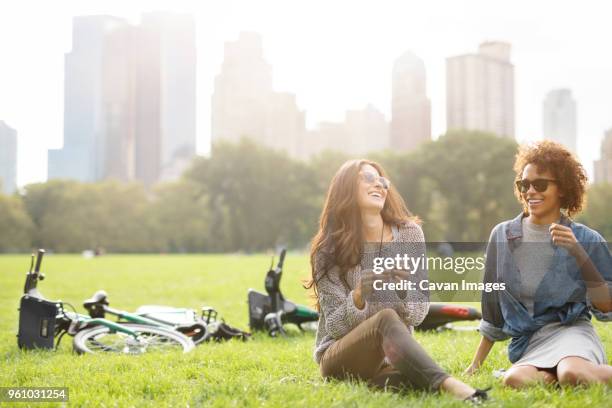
69, 216
15, 225
179, 215
257, 197
597, 213
247, 197
460, 184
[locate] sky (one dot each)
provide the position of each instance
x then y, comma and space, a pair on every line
334, 55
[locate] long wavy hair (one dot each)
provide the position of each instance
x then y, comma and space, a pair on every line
339, 240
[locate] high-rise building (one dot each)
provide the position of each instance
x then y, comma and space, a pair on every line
559, 118
8, 158
242, 91
285, 123
362, 131
480, 90
118, 81
84, 153
410, 107
603, 166
165, 97
244, 103
130, 99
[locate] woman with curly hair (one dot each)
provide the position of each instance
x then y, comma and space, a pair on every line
362, 333
556, 272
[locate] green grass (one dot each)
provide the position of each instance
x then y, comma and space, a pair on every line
273, 372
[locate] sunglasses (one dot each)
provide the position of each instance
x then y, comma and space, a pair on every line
372, 178
539, 185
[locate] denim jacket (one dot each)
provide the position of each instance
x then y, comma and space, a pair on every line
560, 297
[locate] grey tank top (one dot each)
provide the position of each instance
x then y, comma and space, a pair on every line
534, 258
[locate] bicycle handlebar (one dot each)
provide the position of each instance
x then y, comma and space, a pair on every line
32, 277
281, 259
39, 257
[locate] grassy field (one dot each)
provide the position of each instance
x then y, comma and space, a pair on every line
265, 371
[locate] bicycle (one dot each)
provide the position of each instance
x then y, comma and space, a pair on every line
185, 321
273, 311
41, 321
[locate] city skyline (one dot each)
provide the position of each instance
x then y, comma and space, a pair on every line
328, 82
245, 104
129, 106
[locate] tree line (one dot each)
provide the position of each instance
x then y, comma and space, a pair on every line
246, 197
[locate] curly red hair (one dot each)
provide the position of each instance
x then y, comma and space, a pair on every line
562, 164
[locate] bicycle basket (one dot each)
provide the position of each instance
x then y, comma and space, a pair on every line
36, 323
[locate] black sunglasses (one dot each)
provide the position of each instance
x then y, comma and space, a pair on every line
540, 185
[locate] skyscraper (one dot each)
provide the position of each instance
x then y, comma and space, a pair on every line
118, 81
242, 91
84, 153
410, 107
559, 118
244, 103
130, 99
8, 158
603, 166
165, 97
480, 90
285, 123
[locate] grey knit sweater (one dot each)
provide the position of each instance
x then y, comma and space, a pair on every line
339, 315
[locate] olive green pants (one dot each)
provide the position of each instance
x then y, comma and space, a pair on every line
382, 351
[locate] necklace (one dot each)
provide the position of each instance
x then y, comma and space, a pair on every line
382, 233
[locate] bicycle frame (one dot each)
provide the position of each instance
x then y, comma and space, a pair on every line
135, 318
82, 320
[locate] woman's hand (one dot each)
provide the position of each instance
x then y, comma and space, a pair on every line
367, 282
564, 237
597, 287
482, 352
471, 369
357, 298
399, 275
364, 289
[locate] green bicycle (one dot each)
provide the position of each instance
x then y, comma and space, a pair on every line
43, 323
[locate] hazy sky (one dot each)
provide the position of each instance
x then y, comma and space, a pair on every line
334, 55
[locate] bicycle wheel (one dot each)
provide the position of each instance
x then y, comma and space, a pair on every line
150, 339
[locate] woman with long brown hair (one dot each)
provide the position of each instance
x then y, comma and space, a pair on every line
363, 334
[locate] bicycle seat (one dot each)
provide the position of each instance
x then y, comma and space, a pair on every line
99, 298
